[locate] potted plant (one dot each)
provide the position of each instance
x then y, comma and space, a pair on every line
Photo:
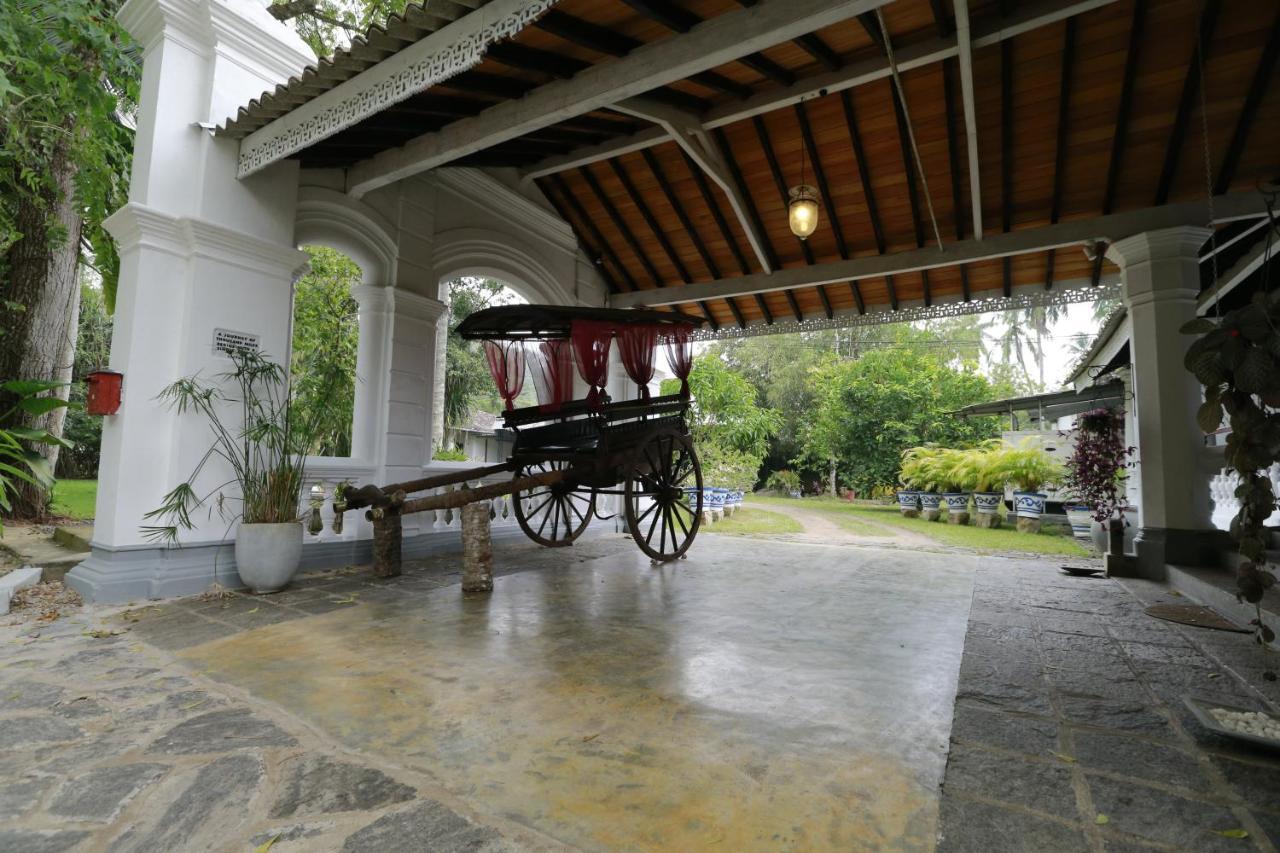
1095, 475
931, 475
915, 461
266, 452
786, 482
983, 466
958, 480
1029, 469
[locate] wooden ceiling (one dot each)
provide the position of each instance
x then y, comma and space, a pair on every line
1097, 114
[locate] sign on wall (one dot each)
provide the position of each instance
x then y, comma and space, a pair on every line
227, 341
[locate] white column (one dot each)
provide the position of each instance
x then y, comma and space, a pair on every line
373, 359
200, 251
1160, 271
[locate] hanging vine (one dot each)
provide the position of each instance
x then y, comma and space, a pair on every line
1237, 360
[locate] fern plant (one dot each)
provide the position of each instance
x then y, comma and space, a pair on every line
1029, 468
19, 463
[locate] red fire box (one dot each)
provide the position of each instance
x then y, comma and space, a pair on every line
104, 392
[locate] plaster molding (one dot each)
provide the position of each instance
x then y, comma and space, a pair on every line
150, 20
372, 299
1027, 296
460, 251
416, 307
329, 216
486, 190
138, 226
249, 36
456, 47
1183, 241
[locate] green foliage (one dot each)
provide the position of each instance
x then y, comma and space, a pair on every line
749, 521
980, 469
326, 337
449, 455
74, 498
784, 480
67, 74
468, 387
730, 429
326, 24
18, 462
1028, 467
257, 432
1237, 360
868, 411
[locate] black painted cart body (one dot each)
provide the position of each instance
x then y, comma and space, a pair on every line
638, 449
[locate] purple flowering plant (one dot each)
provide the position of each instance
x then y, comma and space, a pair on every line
1096, 469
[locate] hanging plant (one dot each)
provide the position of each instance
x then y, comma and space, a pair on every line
1237, 359
1096, 470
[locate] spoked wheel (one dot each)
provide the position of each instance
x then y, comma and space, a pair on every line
664, 517
553, 515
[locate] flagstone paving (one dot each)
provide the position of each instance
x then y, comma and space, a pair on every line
1070, 731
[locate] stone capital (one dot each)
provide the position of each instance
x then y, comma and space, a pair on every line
372, 298
417, 307
1183, 241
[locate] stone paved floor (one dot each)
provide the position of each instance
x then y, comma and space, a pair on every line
1070, 731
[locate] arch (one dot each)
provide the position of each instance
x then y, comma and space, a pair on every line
483, 252
334, 219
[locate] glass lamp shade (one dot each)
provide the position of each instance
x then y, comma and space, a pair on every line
802, 212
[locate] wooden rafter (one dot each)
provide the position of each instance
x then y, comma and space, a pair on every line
606, 251
1262, 78
1060, 145
621, 224
864, 169
1186, 103
1006, 151
753, 215
594, 254
779, 182
820, 175
647, 215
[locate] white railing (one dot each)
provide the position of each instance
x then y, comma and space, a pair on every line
327, 472
1222, 489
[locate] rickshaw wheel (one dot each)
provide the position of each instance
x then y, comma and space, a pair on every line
553, 515
665, 465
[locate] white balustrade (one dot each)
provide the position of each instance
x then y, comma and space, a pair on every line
1222, 489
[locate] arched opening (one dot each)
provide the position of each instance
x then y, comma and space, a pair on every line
324, 348
470, 404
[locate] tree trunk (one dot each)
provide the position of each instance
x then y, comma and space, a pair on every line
832, 475
38, 341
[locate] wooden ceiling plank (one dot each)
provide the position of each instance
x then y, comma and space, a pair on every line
1074, 232
645, 213
1060, 143
709, 199
621, 225
1186, 102
794, 303
953, 150
826, 301
660, 176
1262, 78
606, 251
740, 189
917, 55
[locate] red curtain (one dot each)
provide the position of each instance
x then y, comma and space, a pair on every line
506, 366
591, 341
637, 343
551, 364
680, 356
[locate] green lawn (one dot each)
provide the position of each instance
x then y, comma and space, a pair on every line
75, 498
749, 521
961, 536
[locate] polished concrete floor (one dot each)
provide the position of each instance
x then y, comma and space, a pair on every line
755, 696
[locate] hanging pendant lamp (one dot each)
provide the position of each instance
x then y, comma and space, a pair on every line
802, 208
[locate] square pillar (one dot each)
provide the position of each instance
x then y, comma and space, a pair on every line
1160, 272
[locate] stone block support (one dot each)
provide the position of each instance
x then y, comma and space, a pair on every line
1160, 271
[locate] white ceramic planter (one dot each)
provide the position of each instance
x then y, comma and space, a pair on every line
930, 500
1028, 504
1081, 518
957, 502
267, 555
988, 503
908, 500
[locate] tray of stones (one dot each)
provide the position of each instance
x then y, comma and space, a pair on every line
1235, 722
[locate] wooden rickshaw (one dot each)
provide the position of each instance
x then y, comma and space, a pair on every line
568, 452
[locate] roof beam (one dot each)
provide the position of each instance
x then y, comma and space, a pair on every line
705, 150
681, 20
989, 32
762, 134
660, 176
606, 252
1190, 87
820, 175
1122, 111
621, 225
1076, 232
726, 232
593, 254
714, 42
964, 44
1257, 88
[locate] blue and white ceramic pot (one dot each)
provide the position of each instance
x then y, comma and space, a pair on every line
1028, 504
988, 503
957, 502
1081, 518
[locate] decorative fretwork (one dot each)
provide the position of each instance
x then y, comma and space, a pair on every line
284, 137
937, 311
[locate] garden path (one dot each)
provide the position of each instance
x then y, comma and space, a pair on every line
822, 528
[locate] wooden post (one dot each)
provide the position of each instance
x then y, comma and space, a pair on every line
477, 550
386, 545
